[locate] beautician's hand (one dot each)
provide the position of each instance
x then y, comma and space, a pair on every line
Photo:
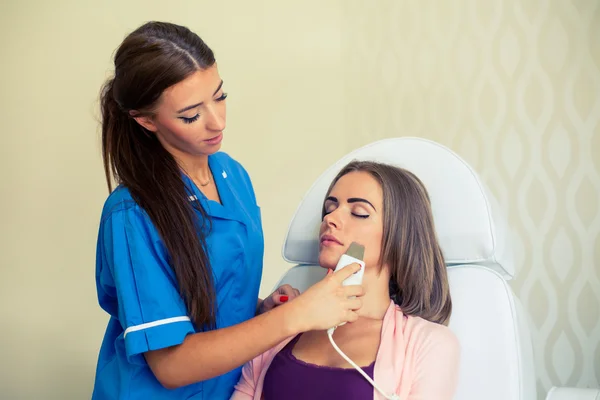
283, 294
327, 303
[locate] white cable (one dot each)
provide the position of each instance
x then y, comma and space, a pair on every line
392, 396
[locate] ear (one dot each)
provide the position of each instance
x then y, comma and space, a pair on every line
145, 121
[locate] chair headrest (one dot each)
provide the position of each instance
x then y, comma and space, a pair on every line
468, 223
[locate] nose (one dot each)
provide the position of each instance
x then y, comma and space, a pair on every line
215, 120
332, 220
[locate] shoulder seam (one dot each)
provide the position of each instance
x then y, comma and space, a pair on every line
121, 206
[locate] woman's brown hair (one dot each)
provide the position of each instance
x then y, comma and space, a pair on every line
418, 276
152, 58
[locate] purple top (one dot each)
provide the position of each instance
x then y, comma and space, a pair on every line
293, 379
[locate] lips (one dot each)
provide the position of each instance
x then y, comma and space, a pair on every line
215, 139
330, 239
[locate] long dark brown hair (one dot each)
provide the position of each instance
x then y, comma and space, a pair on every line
152, 58
418, 280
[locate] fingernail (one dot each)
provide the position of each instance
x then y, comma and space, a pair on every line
283, 299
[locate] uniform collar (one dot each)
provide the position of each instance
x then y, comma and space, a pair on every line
228, 208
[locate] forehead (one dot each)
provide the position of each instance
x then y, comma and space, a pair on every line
358, 184
199, 87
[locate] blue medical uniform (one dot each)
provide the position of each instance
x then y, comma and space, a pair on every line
139, 290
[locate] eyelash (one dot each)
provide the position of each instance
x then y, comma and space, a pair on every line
195, 117
356, 215
190, 120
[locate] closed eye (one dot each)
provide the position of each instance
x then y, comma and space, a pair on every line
354, 214
190, 120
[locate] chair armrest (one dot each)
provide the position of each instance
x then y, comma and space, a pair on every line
562, 393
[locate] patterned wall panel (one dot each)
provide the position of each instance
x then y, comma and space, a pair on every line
514, 87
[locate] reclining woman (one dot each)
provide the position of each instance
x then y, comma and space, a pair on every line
401, 339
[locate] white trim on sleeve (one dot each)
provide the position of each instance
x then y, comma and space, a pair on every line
155, 323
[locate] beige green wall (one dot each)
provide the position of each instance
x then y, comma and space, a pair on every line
511, 85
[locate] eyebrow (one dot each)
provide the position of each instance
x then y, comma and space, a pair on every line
352, 200
199, 104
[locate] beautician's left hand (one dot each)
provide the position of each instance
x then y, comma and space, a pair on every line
282, 295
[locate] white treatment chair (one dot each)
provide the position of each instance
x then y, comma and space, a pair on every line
496, 351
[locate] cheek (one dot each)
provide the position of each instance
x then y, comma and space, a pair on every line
173, 128
184, 131
187, 134
373, 248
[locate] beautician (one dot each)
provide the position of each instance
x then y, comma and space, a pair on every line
180, 243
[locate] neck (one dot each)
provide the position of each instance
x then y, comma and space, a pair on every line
376, 299
196, 167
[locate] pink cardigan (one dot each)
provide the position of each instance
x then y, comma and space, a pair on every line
416, 359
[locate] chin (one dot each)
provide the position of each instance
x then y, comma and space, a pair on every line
209, 150
215, 148
328, 261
